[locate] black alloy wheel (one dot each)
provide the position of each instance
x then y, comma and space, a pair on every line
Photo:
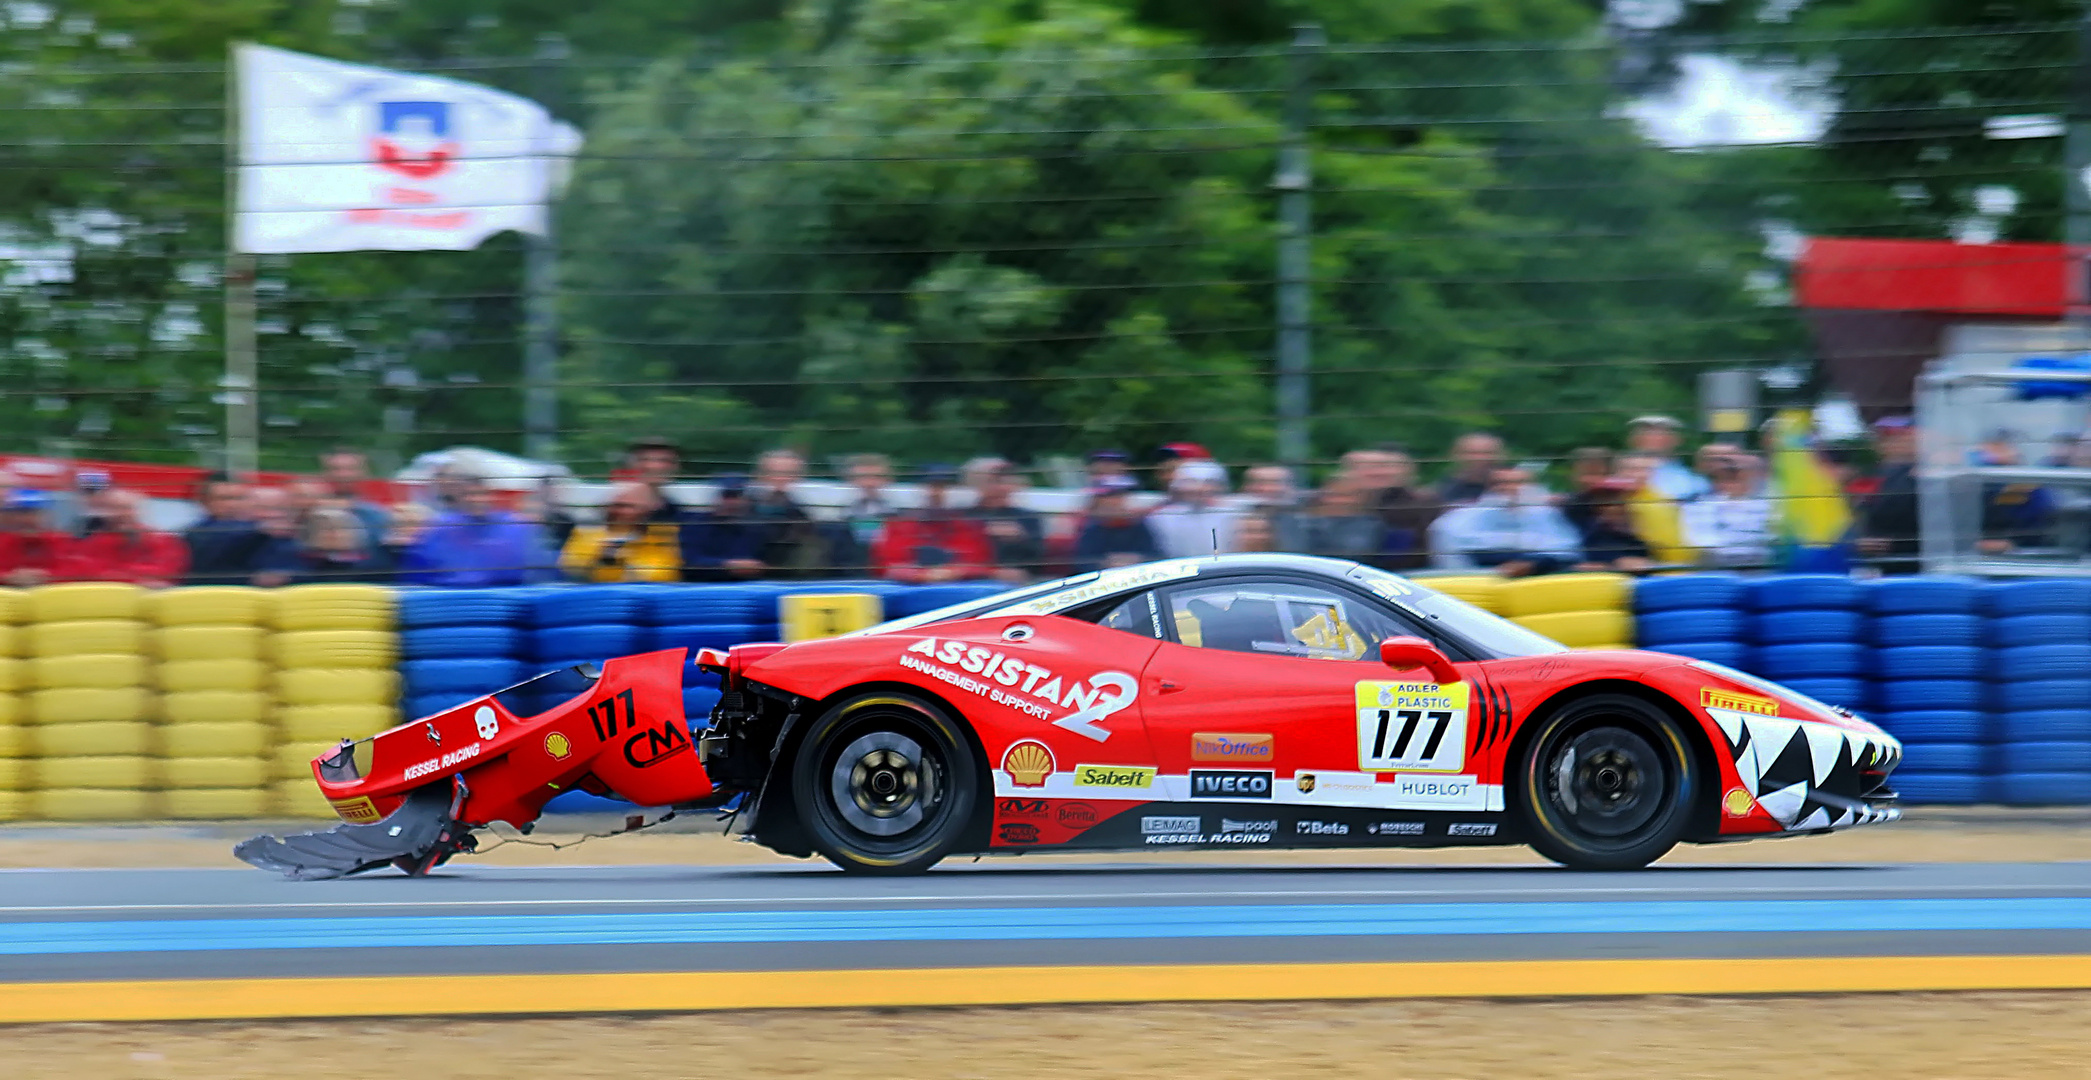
885, 784
1607, 783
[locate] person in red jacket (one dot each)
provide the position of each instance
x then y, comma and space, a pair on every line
31, 552
934, 542
125, 550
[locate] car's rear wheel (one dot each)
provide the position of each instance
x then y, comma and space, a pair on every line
885, 784
1606, 784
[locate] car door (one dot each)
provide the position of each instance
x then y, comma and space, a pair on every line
1270, 690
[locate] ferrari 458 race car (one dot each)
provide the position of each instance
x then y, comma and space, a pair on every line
1225, 702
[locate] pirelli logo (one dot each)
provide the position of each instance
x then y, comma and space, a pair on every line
1728, 699
357, 811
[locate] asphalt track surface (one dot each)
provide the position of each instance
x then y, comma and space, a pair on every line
994, 924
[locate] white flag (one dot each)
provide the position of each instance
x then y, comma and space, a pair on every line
342, 157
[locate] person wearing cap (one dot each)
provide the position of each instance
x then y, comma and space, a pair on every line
1733, 525
123, 549
724, 542
1104, 463
1194, 522
1017, 535
934, 542
31, 552
1888, 515
1172, 456
1657, 437
1113, 532
94, 498
631, 544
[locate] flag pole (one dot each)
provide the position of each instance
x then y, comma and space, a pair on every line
238, 388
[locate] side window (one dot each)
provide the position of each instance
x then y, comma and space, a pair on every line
1135, 615
1279, 617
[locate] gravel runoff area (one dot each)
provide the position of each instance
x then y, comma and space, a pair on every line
1927, 834
1993, 1036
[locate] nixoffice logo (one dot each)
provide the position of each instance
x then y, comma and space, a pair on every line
1246, 749
1230, 784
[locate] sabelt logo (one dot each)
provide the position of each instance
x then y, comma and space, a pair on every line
1115, 777
1470, 828
1728, 699
1209, 746
1230, 784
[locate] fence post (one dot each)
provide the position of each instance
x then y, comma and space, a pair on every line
540, 287
1294, 183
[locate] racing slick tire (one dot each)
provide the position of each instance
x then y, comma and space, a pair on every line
885, 783
1607, 782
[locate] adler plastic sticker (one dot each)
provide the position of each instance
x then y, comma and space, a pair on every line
1412, 727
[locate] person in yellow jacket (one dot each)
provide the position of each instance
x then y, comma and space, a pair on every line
1655, 517
626, 546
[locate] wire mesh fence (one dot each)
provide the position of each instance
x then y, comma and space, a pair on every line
1034, 250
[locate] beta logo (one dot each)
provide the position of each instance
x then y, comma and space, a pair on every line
1320, 828
1230, 784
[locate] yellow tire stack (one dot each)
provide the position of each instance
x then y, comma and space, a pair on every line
1583, 611
215, 707
14, 742
1484, 591
337, 659
91, 706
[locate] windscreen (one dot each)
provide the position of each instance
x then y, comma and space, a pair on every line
1498, 638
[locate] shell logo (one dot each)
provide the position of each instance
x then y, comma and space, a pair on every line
1028, 763
1738, 802
558, 746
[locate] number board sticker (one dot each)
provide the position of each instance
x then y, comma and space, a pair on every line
1412, 727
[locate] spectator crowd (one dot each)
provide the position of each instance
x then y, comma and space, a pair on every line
1642, 506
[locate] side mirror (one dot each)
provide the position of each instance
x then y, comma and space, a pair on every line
1409, 653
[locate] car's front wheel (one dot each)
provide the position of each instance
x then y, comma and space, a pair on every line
885, 783
1606, 783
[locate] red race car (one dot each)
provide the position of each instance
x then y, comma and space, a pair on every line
1228, 702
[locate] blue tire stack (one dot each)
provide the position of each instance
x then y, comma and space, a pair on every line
709, 617
456, 645
1698, 615
1806, 631
2040, 670
1929, 691
583, 624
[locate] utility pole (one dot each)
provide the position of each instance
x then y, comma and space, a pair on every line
540, 286
1294, 183
2076, 179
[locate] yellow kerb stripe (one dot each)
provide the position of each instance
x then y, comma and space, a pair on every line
220, 999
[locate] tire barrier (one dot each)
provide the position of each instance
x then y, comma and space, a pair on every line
120, 704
